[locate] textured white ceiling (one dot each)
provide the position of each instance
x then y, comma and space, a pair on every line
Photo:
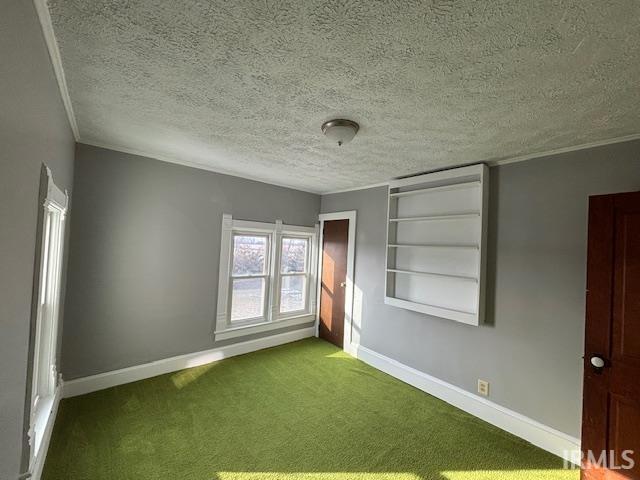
243, 86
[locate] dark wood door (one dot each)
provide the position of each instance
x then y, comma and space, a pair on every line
335, 239
611, 409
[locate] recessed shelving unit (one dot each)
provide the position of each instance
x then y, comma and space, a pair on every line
436, 243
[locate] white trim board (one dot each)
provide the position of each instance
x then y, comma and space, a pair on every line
254, 328
194, 164
93, 383
547, 438
362, 187
35, 470
350, 215
561, 150
56, 61
506, 160
490, 162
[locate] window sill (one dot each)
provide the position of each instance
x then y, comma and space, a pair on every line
241, 331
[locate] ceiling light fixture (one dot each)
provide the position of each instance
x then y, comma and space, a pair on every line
340, 130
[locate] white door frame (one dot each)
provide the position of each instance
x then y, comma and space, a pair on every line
350, 215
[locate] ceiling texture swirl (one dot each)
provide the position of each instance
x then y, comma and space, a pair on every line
242, 87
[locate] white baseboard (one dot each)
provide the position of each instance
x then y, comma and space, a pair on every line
80, 386
547, 438
542, 436
38, 463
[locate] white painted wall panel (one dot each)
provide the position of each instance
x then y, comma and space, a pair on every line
440, 260
452, 293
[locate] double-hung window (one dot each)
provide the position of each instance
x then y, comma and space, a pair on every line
267, 277
294, 274
249, 277
45, 388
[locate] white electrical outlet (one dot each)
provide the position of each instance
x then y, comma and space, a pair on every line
483, 388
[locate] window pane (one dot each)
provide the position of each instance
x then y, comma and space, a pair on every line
249, 253
292, 293
247, 298
294, 254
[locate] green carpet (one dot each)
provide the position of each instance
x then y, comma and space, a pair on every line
305, 410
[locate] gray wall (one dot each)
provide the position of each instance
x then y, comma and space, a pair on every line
33, 129
531, 348
143, 270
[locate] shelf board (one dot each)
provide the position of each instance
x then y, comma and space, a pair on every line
432, 274
441, 188
427, 218
433, 245
462, 316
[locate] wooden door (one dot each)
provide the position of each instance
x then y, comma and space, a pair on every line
335, 237
611, 408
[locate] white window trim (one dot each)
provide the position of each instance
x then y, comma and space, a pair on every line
273, 319
47, 317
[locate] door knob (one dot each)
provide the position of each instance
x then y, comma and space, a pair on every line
597, 362
343, 284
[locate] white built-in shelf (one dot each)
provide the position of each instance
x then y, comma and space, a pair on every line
436, 243
442, 188
460, 315
427, 218
432, 274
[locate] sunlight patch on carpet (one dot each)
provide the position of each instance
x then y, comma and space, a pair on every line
301, 411
184, 377
316, 476
553, 474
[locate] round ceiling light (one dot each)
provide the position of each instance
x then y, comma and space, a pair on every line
340, 130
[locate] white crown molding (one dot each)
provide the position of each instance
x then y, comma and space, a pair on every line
534, 432
559, 151
504, 161
491, 163
56, 61
93, 383
199, 166
353, 189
